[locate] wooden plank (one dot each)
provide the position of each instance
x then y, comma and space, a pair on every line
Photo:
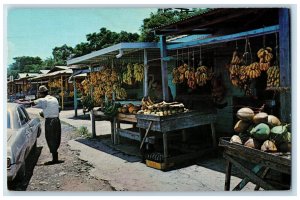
226, 38
165, 146
129, 134
278, 158
252, 177
213, 135
262, 176
244, 182
147, 131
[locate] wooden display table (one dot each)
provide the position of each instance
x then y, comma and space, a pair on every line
239, 155
179, 121
131, 133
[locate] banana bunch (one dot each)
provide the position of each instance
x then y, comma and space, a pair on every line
138, 72
114, 76
182, 69
93, 78
253, 70
71, 94
234, 69
265, 56
61, 93
85, 85
191, 79
202, 75
120, 93
128, 75
97, 94
273, 79
236, 60
146, 102
243, 74
176, 75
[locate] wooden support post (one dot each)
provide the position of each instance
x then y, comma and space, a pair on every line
93, 123
285, 63
213, 135
117, 132
184, 136
228, 176
165, 144
164, 70
244, 182
146, 67
75, 96
62, 90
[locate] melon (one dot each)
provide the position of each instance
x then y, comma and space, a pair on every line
260, 132
241, 126
245, 114
261, 117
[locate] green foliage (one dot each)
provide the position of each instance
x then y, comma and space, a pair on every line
163, 17
88, 102
83, 132
61, 54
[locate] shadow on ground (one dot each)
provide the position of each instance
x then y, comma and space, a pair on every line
31, 161
103, 143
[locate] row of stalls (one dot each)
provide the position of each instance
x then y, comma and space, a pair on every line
208, 67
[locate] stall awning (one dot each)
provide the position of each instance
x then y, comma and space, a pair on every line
121, 50
53, 74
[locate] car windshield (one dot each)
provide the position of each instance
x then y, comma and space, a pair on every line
8, 120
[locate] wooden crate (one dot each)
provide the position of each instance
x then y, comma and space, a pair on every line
160, 166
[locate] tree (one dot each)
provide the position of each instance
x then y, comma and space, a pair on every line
24, 64
82, 49
48, 63
163, 17
61, 54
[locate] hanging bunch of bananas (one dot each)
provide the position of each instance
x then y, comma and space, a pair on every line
86, 85
127, 76
93, 78
176, 75
190, 76
236, 60
265, 56
253, 70
201, 75
182, 69
71, 94
114, 76
120, 93
138, 72
273, 79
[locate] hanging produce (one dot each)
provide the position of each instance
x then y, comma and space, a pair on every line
273, 79
138, 72
253, 70
265, 56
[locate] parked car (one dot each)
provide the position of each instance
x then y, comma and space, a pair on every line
22, 134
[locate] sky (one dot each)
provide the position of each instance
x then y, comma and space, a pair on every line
36, 31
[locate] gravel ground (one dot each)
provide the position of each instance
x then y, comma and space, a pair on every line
71, 174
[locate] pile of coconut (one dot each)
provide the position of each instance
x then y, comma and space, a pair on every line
261, 131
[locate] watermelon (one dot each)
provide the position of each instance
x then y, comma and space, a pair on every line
260, 132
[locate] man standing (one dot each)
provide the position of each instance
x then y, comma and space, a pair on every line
50, 107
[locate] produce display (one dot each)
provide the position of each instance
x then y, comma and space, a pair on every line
261, 131
56, 83
241, 74
193, 77
161, 109
134, 72
103, 83
129, 108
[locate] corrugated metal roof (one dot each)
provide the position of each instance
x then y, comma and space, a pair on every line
52, 74
44, 71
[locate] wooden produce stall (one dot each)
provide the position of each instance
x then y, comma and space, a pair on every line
115, 56
180, 121
237, 155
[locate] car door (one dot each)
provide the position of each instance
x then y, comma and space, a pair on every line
27, 129
33, 125
22, 138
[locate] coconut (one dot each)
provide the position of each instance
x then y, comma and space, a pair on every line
273, 121
235, 139
252, 143
241, 126
261, 117
268, 146
245, 114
